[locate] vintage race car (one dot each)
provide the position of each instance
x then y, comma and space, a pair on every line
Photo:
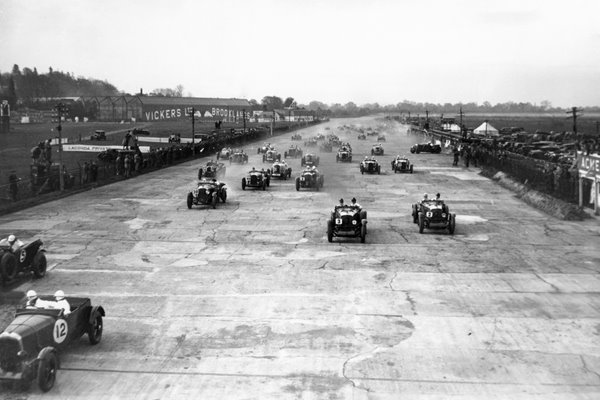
296, 136
27, 259
212, 169
271, 156
293, 152
208, 192
347, 221
256, 179
310, 179
311, 142
402, 164
264, 148
433, 214
238, 157
280, 170
326, 147
175, 138
372, 132
224, 153
320, 136
370, 166
309, 160
344, 154
362, 136
30, 345
334, 140
426, 147
98, 135
377, 150
381, 138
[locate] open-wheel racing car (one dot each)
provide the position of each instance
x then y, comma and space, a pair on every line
271, 155
309, 160
256, 179
310, 178
370, 166
212, 170
347, 221
433, 214
377, 150
344, 154
402, 164
293, 152
28, 258
426, 147
30, 345
281, 170
238, 157
208, 192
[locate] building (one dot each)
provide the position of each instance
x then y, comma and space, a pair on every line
158, 108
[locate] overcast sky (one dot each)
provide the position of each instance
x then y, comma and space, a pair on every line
334, 51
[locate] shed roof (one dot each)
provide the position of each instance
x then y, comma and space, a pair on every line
192, 101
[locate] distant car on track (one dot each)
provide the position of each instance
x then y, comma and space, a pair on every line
347, 221
426, 147
370, 166
208, 192
377, 150
310, 178
27, 259
256, 179
402, 164
433, 214
281, 170
212, 169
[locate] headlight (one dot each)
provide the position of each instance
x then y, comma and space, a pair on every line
429, 214
338, 221
443, 215
353, 222
195, 192
302, 179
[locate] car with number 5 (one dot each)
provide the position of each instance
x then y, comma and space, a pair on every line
31, 344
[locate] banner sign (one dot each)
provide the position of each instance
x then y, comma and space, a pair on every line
98, 149
148, 139
588, 165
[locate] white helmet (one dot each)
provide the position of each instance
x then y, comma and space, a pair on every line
59, 295
12, 238
31, 294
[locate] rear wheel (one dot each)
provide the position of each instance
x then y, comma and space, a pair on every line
452, 224
95, 329
8, 266
421, 222
39, 264
330, 231
363, 233
190, 199
47, 367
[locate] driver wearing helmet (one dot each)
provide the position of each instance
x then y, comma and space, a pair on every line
13, 243
425, 198
33, 301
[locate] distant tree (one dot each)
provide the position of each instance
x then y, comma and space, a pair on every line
317, 105
179, 90
16, 70
288, 102
11, 95
271, 103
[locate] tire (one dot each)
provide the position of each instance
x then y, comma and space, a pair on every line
224, 196
363, 233
411, 169
330, 231
94, 330
190, 199
297, 184
378, 170
362, 170
264, 185
268, 181
47, 367
243, 183
421, 223
39, 265
200, 174
415, 215
8, 266
452, 224
363, 215
214, 200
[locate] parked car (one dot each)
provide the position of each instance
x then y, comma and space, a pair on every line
30, 345
208, 192
426, 147
433, 214
402, 164
309, 160
347, 221
256, 179
310, 178
238, 156
98, 135
293, 152
212, 169
370, 166
280, 170
377, 150
27, 259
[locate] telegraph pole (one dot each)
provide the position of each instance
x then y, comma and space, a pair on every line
60, 109
462, 128
574, 111
193, 131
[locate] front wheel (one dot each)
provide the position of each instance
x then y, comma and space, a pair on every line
39, 264
421, 223
411, 169
214, 201
47, 367
330, 231
297, 184
363, 233
224, 196
452, 224
243, 183
190, 199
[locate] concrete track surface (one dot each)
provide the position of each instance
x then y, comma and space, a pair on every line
250, 301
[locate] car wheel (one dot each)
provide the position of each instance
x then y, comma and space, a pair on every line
224, 196
264, 185
421, 222
363, 233
330, 231
214, 201
297, 184
411, 169
200, 173
452, 224
243, 183
190, 199
415, 214
378, 170
39, 264
8, 266
47, 367
95, 329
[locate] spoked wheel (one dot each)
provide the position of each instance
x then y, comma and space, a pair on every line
48, 365
95, 330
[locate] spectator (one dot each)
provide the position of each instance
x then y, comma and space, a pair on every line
86, 172
118, 163
94, 171
13, 181
127, 163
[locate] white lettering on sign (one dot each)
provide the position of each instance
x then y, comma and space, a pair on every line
61, 329
588, 164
